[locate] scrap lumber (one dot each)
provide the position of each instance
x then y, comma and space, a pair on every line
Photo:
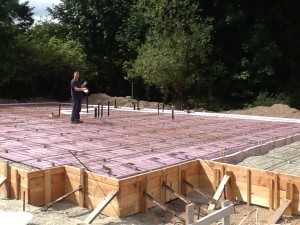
278, 213
163, 207
61, 198
100, 207
218, 193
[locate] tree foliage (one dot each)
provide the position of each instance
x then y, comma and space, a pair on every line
223, 52
175, 53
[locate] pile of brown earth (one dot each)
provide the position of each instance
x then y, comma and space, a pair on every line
277, 110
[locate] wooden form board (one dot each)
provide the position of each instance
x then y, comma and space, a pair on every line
254, 186
96, 188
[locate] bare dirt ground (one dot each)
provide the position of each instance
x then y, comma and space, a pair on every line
68, 214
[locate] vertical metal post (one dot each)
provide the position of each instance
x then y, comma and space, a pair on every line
101, 110
133, 106
87, 104
98, 109
138, 105
163, 106
108, 105
115, 103
95, 112
59, 107
172, 114
158, 108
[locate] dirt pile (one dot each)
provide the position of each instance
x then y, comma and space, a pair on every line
277, 110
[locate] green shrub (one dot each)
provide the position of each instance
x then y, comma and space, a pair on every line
266, 99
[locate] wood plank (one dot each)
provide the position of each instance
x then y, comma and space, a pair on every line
278, 213
100, 207
218, 193
183, 188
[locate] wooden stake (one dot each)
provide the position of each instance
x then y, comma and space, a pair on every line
47, 174
229, 187
289, 196
216, 178
82, 191
17, 182
143, 200
276, 191
248, 187
183, 189
271, 193
163, 193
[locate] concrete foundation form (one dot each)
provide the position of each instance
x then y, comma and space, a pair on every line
136, 151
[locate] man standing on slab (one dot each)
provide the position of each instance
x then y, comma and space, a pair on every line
76, 93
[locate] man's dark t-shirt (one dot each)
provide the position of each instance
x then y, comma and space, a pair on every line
76, 94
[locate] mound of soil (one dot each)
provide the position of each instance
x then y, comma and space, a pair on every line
277, 110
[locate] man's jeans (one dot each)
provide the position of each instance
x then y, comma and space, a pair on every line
76, 110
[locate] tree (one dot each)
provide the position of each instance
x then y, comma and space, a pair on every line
95, 24
175, 53
43, 64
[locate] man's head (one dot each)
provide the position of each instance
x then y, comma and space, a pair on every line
76, 75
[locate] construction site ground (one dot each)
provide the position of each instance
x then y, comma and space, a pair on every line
183, 138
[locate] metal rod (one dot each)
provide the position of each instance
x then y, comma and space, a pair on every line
198, 190
59, 108
96, 112
98, 109
101, 110
61, 198
87, 104
172, 114
163, 207
108, 105
187, 201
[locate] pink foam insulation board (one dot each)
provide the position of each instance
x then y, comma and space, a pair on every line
126, 143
